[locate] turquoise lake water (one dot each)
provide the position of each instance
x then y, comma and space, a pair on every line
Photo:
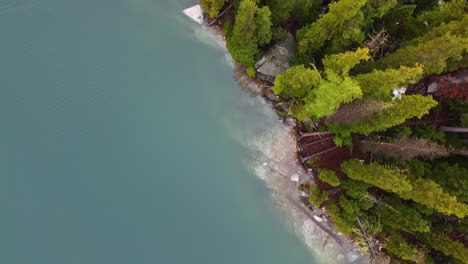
116, 143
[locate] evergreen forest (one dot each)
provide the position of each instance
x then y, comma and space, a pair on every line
379, 90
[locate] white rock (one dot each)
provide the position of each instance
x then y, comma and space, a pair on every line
265, 164
195, 13
353, 256
318, 218
340, 257
295, 177
304, 194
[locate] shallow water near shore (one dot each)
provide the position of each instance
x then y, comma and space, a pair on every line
126, 139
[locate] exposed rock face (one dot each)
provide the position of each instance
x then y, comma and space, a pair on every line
276, 61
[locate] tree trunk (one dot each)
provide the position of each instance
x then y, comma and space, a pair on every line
303, 135
454, 129
304, 159
221, 14
306, 212
316, 142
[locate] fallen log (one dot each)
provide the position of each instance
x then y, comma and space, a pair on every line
304, 159
308, 214
303, 135
454, 129
221, 14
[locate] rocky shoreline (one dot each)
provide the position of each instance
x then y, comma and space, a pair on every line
275, 161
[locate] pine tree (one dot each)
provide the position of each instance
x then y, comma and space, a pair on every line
263, 21
313, 37
397, 245
452, 178
251, 29
448, 246
430, 194
434, 55
330, 94
281, 9
445, 12
342, 63
355, 189
377, 175
338, 88
316, 196
397, 215
393, 115
379, 84
307, 11
296, 82
329, 177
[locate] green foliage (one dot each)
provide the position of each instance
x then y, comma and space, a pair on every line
379, 84
330, 94
251, 29
281, 9
378, 8
296, 82
423, 191
263, 21
228, 26
355, 189
307, 11
434, 55
395, 114
350, 207
342, 223
448, 246
212, 7
455, 27
429, 133
250, 72
377, 175
313, 37
342, 63
464, 120
445, 12
396, 215
317, 196
452, 178
429, 193
399, 247
329, 177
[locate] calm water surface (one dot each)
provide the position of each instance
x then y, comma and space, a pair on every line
114, 146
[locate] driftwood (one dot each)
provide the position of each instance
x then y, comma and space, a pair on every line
221, 14
316, 142
308, 214
304, 159
303, 135
454, 129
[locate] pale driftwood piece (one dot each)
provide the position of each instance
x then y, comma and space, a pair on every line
454, 129
304, 159
303, 135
